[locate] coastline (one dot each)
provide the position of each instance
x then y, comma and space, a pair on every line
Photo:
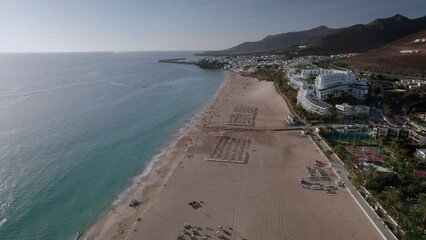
153, 176
237, 195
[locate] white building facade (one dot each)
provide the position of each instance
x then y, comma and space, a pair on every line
329, 84
306, 97
346, 109
297, 81
333, 84
314, 72
420, 154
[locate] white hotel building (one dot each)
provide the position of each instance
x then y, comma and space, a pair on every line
315, 72
333, 84
306, 97
329, 84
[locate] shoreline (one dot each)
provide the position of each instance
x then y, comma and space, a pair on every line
149, 174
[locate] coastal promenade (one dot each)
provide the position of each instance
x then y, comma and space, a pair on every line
275, 129
204, 188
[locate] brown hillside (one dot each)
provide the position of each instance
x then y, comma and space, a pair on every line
390, 55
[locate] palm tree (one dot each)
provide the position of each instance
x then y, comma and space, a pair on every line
394, 201
370, 173
331, 113
352, 112
358, 180
388, 162
381, 144
386, 110
421, 208
395, 143
404, 170
351, 160
414, 234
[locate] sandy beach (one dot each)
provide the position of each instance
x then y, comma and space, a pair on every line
243, 175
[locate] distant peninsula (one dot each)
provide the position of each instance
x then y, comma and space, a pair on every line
203, 63
178, 60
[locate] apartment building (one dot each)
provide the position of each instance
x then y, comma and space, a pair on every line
386, 131
306, 97
334, 84
346, 109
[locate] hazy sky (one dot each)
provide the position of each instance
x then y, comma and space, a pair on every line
143, 25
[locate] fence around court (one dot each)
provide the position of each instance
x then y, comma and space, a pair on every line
350, 138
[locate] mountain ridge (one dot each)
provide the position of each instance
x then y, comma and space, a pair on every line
279, 41
324, 41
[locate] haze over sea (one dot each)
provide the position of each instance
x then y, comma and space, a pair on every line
76, 128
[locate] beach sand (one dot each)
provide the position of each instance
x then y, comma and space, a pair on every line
258, 199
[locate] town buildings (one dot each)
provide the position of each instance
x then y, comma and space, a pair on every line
418, 138
412, 83
386, 131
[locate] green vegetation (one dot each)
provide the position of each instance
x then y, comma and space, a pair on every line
416, 119
283, 84
305, 114
268, 72
331, 63
382, 77
397, 71
387, 111
402, 194
323, 64
310, 79
340, 64
303, 66
210, 64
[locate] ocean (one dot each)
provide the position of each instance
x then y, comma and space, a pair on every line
76, 128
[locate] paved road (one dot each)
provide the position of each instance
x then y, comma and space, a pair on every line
340, 170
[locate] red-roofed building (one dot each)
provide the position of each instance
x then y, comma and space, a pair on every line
420, 173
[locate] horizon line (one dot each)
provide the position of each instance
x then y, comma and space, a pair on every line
105, 51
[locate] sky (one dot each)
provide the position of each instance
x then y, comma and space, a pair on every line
163, 25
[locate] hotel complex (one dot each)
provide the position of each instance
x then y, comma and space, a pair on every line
329, 84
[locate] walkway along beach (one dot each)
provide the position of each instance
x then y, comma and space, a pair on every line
236, 184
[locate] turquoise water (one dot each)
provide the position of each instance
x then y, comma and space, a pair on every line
76, 128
